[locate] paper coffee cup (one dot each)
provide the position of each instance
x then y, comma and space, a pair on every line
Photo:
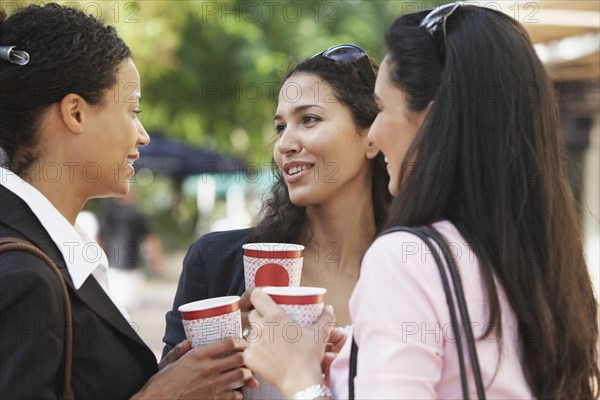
304, 305
210, 320
272, 264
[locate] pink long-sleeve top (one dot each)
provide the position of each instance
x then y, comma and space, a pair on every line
402, 326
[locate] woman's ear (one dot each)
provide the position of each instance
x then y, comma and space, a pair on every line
372, 150
72, 108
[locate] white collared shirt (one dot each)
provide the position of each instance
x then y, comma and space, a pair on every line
82, 254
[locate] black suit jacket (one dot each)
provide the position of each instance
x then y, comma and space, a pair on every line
212, 267
110, 360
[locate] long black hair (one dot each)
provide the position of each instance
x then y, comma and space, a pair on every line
489, 158
69, 53
280, 220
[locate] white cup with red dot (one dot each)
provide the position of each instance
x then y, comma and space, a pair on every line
272, 264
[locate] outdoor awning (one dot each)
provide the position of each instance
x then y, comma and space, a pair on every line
566, 34
168, 156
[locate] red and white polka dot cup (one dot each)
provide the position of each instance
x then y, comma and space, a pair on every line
304, 305
210, 320
272, 264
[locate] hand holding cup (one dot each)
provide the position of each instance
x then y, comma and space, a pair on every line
285, 350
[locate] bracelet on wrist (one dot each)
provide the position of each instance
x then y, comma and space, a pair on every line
312, 393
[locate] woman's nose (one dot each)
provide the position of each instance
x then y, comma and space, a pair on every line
288, 142
143, 137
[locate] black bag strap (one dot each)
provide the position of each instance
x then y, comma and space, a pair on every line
462, 307
427, 234
8, 244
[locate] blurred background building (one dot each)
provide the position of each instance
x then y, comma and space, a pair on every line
567, 38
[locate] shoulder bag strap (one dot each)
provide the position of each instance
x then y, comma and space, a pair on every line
8, 244
352, 368
425, 234
462, 307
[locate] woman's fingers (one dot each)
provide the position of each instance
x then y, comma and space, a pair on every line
251, 383
338, 336
328, 318
175, 354
237, 395
219, 347
210, 371
246, 306
326, 324
229, 362
264, 304
329, 357
234, 379
245, 303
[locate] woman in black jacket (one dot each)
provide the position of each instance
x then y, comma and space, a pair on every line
69, 99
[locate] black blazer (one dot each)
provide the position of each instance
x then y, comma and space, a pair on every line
212, 267
110, 360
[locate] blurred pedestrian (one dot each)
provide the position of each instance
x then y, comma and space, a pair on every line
126, 236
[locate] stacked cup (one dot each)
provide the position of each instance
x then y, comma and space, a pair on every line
265, 264
272, 264
278, 266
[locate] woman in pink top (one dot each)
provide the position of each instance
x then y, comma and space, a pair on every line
469, 127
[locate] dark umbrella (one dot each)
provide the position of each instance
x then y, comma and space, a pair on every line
175, 158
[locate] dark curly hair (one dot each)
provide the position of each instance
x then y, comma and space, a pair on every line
281, 220
69, 53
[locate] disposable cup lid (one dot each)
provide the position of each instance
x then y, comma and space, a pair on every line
210, 307
273, 250
299, 295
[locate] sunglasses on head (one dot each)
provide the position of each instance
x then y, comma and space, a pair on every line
435, 24
351, 53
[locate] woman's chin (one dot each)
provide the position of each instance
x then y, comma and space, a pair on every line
301, 199
121, 190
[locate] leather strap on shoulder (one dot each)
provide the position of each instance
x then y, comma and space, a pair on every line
9, 244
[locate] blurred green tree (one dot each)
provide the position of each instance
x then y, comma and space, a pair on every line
211, 70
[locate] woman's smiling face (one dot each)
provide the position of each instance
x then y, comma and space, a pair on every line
320, 150
115, 135
396, 126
